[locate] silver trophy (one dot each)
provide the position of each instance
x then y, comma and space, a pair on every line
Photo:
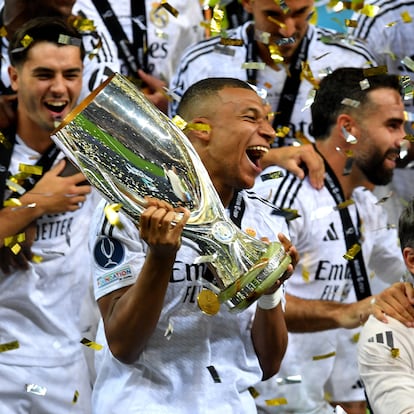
128, 149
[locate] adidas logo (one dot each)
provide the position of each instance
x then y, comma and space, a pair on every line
331, 234
358, 385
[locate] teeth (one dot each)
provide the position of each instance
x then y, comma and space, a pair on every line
258, 148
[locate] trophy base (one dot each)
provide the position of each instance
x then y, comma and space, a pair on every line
264, 274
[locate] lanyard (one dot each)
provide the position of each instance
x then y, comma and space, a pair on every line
357, 265
45, 161
291, 86
237, 207
125, 48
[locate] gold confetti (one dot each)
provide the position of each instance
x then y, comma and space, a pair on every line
31, 169
352, 252
275, 53
179, 122
75, 397
253, 392
378, 70
290, 214
218, 15
275, 21
395, 352
91, 344
4, 141
9, 346
198, 127
307, 74
355, 337
231, 42
344, 204
369, 10
111, 214
37, 259
12, 202
281, 132
3, 31
351, 23
26, 41
276, 402
406, 17
83, 25
169, 8
325, 356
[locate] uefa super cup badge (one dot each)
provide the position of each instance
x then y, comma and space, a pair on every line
223, 232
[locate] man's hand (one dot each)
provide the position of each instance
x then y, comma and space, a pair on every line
7, 112
154, 90
56, 194
396, 301
294, 158
161, 226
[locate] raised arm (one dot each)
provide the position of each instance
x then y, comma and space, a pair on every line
131, 314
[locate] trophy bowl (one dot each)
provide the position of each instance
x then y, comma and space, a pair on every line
128, 149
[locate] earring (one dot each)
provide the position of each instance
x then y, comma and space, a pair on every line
349, 138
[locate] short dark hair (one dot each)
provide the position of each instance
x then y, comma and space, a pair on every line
339, 91
42, 29
406, 226
204, 89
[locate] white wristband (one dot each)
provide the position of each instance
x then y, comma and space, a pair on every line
270, 301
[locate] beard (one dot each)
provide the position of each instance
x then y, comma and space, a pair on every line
374, 168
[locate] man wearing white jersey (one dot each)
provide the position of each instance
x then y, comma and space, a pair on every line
388, 32
358, 123
101, 53
164, 355
385, 350
270, 53
43, 230
150, 37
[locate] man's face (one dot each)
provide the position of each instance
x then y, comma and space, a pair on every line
287, 22
380, 134
48, 84
240, 136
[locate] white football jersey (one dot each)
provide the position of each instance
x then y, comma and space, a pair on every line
192, 362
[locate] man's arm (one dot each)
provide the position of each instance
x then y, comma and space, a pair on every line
131, 314
307, 315
269, 333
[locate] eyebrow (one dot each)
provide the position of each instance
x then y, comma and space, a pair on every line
48, 70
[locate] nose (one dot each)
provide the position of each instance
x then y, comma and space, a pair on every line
58, 85
288, 28
266, 131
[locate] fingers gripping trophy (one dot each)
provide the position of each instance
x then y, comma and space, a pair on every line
128, 150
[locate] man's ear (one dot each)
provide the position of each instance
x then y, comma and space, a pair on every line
408, 254
199, 128
247, 5
13, 75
